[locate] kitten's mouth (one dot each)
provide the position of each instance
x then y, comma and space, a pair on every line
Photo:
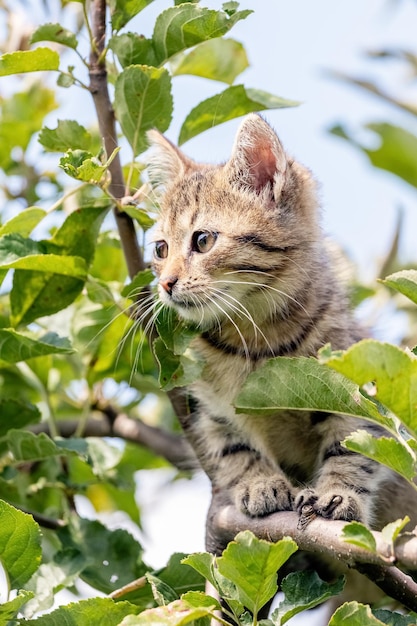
183, 304
193, 308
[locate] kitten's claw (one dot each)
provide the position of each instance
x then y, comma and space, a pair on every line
306, 516
343, 505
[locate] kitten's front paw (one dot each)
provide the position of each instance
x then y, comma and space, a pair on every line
264, 495
341, 504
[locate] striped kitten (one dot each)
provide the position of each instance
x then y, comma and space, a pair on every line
240, 253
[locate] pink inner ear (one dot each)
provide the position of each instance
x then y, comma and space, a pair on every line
262, 165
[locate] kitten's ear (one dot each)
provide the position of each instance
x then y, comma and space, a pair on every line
166, 161
258, 159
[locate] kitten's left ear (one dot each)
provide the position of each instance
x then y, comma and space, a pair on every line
258, 159
166, 161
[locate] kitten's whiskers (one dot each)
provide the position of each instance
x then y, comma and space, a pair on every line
241, 311
265, 287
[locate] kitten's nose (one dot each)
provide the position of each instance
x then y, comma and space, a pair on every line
168, 282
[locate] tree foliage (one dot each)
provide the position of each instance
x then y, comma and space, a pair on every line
77, 346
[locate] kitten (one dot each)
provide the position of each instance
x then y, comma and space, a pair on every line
239, 252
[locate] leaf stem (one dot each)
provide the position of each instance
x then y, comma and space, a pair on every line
67, 195
89, 29
139, 583
38, 384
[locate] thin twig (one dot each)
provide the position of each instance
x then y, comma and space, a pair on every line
139, 583
106, 121
43, 520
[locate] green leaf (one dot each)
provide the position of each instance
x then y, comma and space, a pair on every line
78, 234
184, 26
60, 572
140, 215
17, 412
354, 614
65, 80
21, 115
175, 370
82, 165
15, 347
26, 446
198, 598
177, 613
143, 101
141, 280
85, 612
302, 383
20, 544
359, 535
252, 565
69, 134
41, 59
216, 59
391, 531
42, 292
395, 153
56, 33
203, 563
24, 222
386, 450
122, 11
180, 577
133, 49
73, 266
103, 456
173, 332
392, 618
35, 294
303, 590
113, 557
233, 102
162, 593
405, 282
9, 610
392, 371
16, 252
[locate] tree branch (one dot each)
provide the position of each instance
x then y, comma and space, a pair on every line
324, 538
109, 423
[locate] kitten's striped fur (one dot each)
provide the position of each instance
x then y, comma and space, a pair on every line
240, 252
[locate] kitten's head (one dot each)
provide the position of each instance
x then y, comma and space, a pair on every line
230, 238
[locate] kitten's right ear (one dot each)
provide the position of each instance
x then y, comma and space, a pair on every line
258, 160
166, 161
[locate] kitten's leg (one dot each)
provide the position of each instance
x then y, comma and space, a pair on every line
259, 486
237, 467
347, 482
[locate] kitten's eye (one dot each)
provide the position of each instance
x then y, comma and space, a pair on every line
203, 241
161, 249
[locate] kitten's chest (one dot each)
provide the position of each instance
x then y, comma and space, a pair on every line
221, 381
286, 437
